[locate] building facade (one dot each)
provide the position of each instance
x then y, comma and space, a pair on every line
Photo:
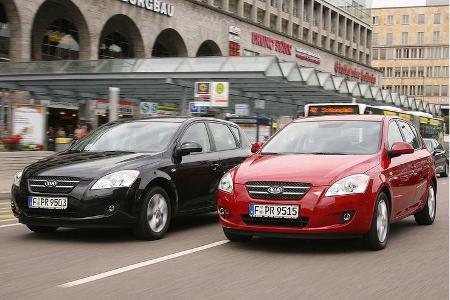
411, 48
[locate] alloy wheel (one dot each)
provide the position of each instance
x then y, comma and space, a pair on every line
157, 212
382, 221
431, 202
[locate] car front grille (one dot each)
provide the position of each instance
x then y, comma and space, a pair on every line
289, 190
299, 222
52, 184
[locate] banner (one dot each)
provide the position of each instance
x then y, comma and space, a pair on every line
29, 122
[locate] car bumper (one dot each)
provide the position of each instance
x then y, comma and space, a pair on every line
321, 216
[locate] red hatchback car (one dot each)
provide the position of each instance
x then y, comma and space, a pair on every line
331, 177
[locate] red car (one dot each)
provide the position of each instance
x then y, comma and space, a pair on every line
331, 177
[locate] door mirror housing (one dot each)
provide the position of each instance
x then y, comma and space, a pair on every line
400, 148
188, 148
256, 147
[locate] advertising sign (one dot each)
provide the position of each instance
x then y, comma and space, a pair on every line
214, 94
29, 122
148, 108
202, 90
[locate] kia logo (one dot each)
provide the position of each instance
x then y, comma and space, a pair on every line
51, 183
275, 190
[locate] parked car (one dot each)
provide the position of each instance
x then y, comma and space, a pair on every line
440, 156
131, 173
331, 177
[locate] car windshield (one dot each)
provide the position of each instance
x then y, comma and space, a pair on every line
428, 144
327, 138
138, 136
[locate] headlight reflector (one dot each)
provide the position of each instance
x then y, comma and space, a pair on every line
354, 184
226, 183
17, 178
123, 178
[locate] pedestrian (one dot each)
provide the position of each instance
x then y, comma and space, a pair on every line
51, 139
61, 132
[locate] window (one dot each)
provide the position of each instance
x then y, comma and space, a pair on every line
420, 90
436, 89
375, 39
284, 6
223, 138
412, 72
445, 52
404, 38
445, 71
421, 53
405, 72
61, 41
420, 71
398, 53
398, 72
420, 38
437, 71
420, 19
389, 39
260, 16
429, 53
248, 10
115, 45
437, 18
236, 134
375, 20
437, 53
390, 20
233, 6
412, 90
394, 134
406, 53
273, 21
388, 72
436, 37
383, 53
405, 19
375, 54
389, 53
413, 52
444, 90
410, 134
274, 3
429, 71
197, 133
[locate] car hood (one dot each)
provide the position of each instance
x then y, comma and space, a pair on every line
89, 165
315, 169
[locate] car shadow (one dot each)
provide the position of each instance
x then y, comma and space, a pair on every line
118, 235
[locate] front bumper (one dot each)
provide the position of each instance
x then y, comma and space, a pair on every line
322, 216
86, 208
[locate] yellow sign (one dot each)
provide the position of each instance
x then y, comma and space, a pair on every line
220, 88
423, 120
389, 113
435, 122
405, 117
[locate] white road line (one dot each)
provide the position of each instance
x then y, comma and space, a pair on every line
140, 265
10, 225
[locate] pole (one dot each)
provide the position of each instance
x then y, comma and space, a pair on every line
114, 95
2, 113
183, 104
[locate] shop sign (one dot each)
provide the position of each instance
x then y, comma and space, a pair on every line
125, 107
60, 104
234, 47
271, 43
346, 70
214, 94
307, 55
148, 108
29, 122
153, 5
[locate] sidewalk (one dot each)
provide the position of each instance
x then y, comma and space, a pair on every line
13, 162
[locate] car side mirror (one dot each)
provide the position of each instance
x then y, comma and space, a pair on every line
438, 151
400, 148
256, 147
188, 148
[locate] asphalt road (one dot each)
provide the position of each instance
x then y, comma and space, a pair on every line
414, 265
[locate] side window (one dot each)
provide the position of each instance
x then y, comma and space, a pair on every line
394, 134
438, 146
197, 133
223, 137
410, 135
236, 134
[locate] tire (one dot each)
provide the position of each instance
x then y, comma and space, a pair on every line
42, 229
237, 238
378, 235
427, 215
154, 216
445, 173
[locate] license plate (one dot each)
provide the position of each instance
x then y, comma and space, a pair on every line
273, 211
47, 202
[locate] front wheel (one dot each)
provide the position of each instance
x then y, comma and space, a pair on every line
428, 213
42, 229
377, 237
154, 216
445, 172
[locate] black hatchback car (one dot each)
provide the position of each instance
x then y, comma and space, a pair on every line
132, 173
439, 155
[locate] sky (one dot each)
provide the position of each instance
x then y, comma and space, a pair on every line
397, 3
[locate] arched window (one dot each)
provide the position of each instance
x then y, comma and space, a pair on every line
61, 41
115, 45
169, 43
4, 35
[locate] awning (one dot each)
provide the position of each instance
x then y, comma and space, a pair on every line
285, 86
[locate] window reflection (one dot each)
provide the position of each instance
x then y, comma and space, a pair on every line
115, 45
4, 35
61, 41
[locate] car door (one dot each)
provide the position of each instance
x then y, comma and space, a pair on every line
400, 173
192, 176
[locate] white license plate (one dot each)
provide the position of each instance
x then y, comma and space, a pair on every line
47, 202
273, 211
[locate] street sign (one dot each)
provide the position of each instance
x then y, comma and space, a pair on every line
148, 108
195, 109
241, 109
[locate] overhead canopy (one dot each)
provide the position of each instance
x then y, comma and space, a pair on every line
285, 86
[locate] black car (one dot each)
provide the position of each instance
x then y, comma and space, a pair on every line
439, 155
132, 173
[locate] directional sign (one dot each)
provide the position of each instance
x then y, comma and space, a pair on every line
195, 109
148, 108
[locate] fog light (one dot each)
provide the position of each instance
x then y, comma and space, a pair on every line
347, 216
222, 211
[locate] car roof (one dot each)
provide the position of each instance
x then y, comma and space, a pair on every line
171, 119
372, 118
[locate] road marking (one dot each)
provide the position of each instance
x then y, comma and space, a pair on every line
10, 219
10, 225
140, 265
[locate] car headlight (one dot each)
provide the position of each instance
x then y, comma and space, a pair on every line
354, 184
123, 178
226, 183
17, 178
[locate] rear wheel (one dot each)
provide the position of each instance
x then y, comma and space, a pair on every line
155, 214
42, 229
233, 237
377, 237
445, 172
428, 213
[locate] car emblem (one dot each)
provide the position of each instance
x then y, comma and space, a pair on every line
51, 183
275, 190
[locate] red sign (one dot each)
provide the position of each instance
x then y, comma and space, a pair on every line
343, 69
307, 55
271, 43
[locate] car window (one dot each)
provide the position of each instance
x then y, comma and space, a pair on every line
438, 146
236, 133
197, 133
394, 134
223, 137
430, 145
410, 134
